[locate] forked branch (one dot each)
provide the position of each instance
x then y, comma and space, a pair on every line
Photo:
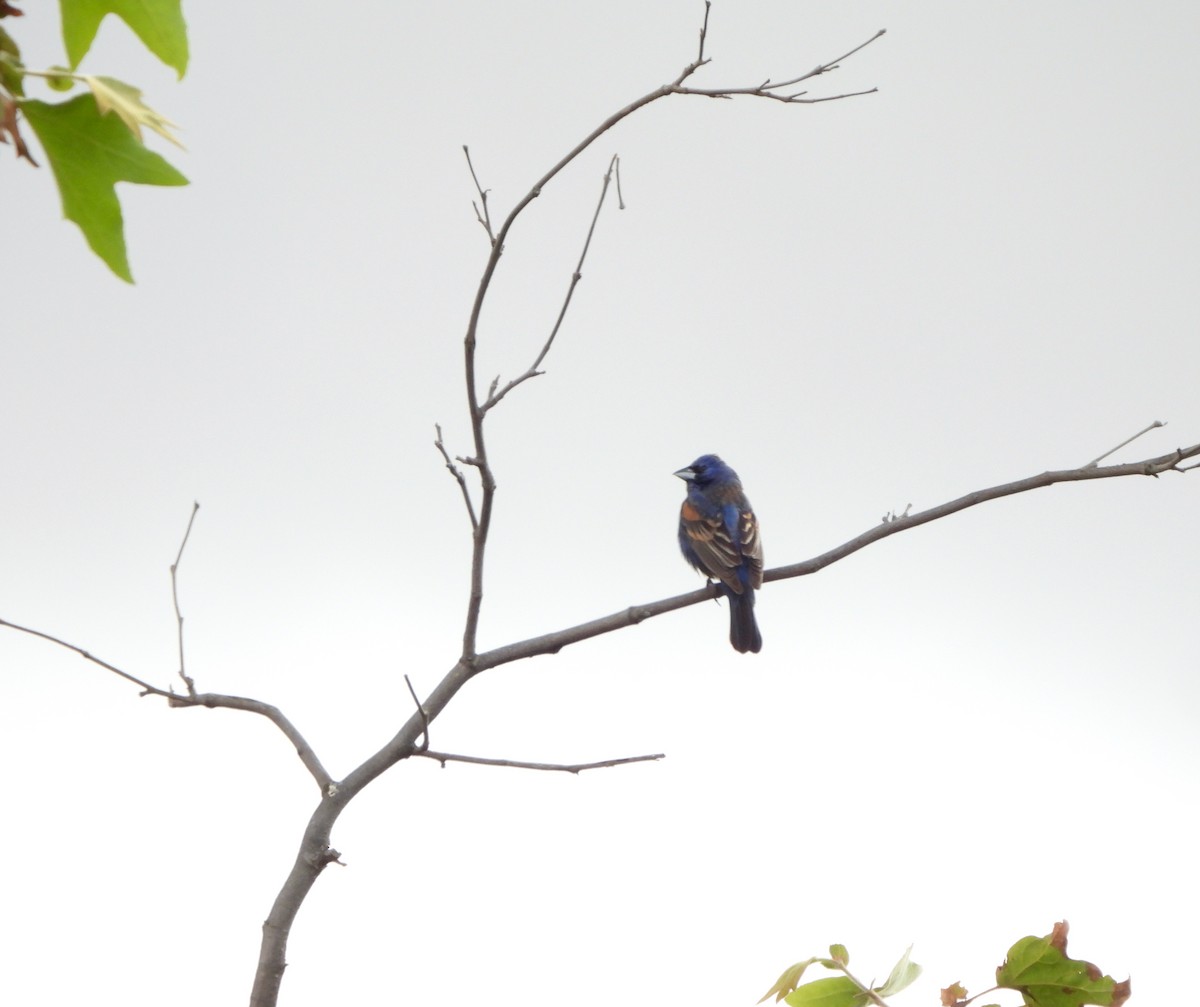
212, 700
479, 405
494, 396
773, 89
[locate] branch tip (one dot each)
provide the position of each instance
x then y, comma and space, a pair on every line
187, 681
1129, 440
549, 767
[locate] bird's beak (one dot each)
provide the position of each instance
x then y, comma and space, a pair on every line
687, 474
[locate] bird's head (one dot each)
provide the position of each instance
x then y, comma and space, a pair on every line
707, 469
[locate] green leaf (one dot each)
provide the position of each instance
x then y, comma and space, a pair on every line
89, 154
158, 23
839, 953
903, 975
11, 71
836, 991
114, 95
1046, 977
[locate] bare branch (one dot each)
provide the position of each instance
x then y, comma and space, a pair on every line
1147, 467
796, 98
421, 749
188, 683
211, 700
552, 643
550, 767
1128, 440
494, 398
311, 860
772, 89
704, 31
823, 67
458, 476
304, 750
485, 219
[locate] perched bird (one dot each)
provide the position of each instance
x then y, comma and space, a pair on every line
718, 534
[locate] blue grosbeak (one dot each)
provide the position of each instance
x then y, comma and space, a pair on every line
718, 534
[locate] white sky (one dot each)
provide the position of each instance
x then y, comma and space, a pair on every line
952, 739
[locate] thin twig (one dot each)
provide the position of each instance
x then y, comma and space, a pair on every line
1128, 440
147, 688
823, 67
549, 767
486, 218
458, 476
424, 743
758, 92
769, 88
495, 397
704, 30
191, 686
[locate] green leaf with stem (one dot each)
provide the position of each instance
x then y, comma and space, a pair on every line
89, 153
1046, 977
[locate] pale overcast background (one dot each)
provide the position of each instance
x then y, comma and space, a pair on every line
952, 739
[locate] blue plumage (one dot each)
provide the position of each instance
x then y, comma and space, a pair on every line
718, 534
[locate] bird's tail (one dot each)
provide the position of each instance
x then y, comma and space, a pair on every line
743, 629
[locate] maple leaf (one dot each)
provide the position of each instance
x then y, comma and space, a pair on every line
114, 95
953, 994
89, 153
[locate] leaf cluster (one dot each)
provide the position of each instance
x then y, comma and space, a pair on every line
94, 140
839, 991
1038, 968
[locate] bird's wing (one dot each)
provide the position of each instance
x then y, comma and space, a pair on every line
752, 552
714, 547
